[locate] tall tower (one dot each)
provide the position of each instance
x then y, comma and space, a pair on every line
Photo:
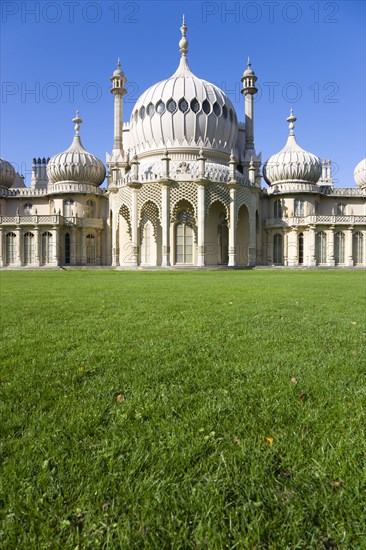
118, 89
116, 161
249, 90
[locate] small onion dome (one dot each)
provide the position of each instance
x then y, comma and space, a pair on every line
76, 164
7, 174
118, 71
248, 71
292, 163
360, 174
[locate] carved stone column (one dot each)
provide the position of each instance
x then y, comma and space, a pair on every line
232, 227
311, 252
135, 186
37, 259
1, 247
330, 251
292, 248
19, 251
115, 239
348, 247
165, 222
201, 261
56, 245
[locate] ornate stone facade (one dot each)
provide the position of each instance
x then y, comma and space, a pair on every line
184, 189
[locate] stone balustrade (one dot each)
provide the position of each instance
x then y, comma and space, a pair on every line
51, 220
314, 220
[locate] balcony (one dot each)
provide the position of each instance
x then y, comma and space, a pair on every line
51, 220
314, 220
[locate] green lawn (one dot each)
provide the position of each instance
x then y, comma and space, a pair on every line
183, 410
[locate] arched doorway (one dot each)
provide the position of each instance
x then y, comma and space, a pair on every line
46, 247
184, 234
67, 248
300, 248
278, 249
90, 249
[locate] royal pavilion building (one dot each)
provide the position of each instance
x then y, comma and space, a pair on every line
184, 189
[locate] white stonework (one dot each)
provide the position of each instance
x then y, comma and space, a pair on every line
184, 189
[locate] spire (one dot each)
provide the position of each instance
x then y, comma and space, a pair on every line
291, 119
183, 42
249, 63
77, 121
119, 64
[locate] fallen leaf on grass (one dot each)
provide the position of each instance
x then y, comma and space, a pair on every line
269, 441
337, 484
105, 506
353, 323
236, 440
294, 380
120, 398
302, 396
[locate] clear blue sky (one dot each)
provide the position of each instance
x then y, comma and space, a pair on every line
307, 55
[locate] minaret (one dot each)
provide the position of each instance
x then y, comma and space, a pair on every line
249, 90
118, 89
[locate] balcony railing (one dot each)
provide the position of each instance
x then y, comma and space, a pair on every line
54, 219
314, 220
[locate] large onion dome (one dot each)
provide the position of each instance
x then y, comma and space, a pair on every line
360, 174
292, 163
76, 164
183, 111
7, 174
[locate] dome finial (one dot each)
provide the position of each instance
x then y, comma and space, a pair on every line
119, 63
249, 63
77, 120
291, 119
183, 42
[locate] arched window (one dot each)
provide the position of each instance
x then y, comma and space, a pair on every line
46, 247
339, 244
90, 209
29, 246
68, 208
277, 249
90, 249
27, 210
357, 247
183, 240
277, 207
146, 243
301, 248
10, 241
340, 209
299, 208
67, 248
321, 247
223, 237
